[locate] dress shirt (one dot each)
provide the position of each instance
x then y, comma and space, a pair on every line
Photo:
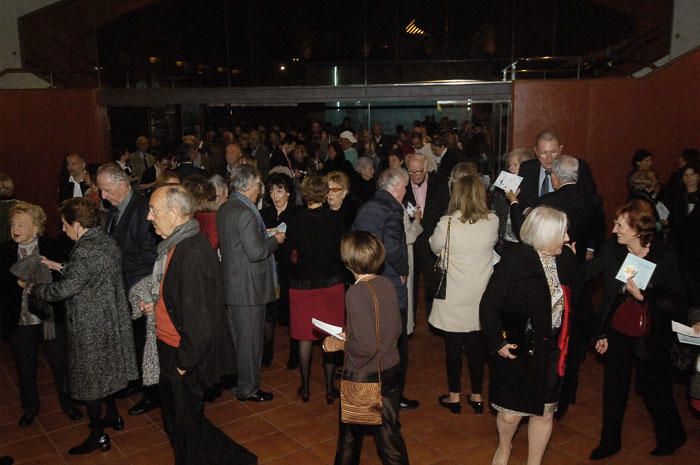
420, 192
77, 192
543, 175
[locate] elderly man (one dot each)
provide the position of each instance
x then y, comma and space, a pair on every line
383, 217
140, 160
233, 157
248, 271
75, 185
127, 224
194, 345
536, 173
347, 142
430, 194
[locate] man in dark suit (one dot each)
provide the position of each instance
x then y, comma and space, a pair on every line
185, 154
247, 256
194, 345
75, 185
282, 155
445, 157
127, 224
536, 173
383, 217
430, 194
381, 142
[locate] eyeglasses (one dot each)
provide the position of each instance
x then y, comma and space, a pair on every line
336, 189
413, 173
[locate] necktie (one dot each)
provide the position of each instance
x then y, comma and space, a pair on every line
113, 222
544, 188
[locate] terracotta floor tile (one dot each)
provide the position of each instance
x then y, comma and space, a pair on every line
28, 449
312, 432
420, 454
138, 439
325, 450
273, 446
247, 429
52, 459
151, 455
303, 457
10, 414
446, 442
223, 413
58, 420
12, 432
287, 415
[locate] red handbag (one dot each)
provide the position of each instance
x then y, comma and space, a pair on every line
632, 318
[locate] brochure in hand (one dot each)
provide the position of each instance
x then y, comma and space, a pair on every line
637, 268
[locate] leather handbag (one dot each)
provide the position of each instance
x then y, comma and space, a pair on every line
442, 264
361, 402
631, 318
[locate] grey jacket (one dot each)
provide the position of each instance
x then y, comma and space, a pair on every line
100, 350
246, 255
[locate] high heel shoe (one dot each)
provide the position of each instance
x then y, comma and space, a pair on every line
454, 407
331, 396
602, 452
303, 395
477, 406
91, 443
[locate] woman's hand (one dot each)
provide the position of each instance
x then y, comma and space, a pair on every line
53, 266
505, 351
512, 196
22, 284
147, 309
418, 215
633, 289
601, 345
696, 327
331, 344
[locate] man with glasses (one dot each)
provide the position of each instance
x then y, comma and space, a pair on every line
429, 193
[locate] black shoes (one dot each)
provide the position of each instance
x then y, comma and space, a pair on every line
454, 407
331, 396
260, 396
303, 395
665, 451
602, 452
6, 460
74, 414
26, 419
92, 443
116, 424
408, 404
143, 406
477, 406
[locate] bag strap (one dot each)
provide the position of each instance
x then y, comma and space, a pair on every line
446, 247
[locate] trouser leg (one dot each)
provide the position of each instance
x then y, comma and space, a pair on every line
474, 349
25, 345
403, 351
350, 438
269, 332
55, 351
391, 447
655, 381
616, 385
247, 329
453, 360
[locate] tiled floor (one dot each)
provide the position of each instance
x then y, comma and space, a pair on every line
288, 432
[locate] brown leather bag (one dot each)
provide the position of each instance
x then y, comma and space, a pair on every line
361, 402
632, 318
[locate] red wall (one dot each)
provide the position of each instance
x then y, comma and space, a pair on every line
606, 120
38, 128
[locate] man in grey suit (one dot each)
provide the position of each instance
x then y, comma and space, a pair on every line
249, 280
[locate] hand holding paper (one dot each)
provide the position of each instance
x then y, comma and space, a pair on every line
638, 269
332, 330
509, 182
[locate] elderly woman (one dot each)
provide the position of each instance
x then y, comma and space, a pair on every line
316, 278
525, 316
100, 344
363, 254
208, 195
635, 234
25, 330
472, 231
338, 198
363, 185
280, 188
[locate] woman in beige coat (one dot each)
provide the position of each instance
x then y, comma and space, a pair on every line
473, 233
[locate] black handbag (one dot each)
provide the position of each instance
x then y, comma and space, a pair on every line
441, 265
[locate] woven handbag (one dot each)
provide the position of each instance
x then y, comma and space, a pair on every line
441, 265
361, 402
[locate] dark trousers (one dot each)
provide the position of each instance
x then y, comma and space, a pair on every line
194, 438
25, 343
387, 436
403, 351
472, 346
655, 383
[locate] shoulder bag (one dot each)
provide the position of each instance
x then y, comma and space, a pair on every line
361, 402
632, 318
441, 265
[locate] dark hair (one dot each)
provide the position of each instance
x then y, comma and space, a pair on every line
640, 155
91, 169
288, 139
184, 153
692, 165
280, 179
639, 215
439, 140
362, 252
314, 189
80, 210
396, 153
690, 154
202, 191
339, 153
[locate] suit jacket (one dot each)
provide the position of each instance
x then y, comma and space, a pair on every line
448, 161
186, 170
436, 200
194, 298
584, 211
65, 190
136, 238
530, 187
246, 255
278, 159
383, 217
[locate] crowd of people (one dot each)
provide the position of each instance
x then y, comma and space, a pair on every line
185, 261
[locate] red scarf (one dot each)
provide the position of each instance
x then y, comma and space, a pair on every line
563, 342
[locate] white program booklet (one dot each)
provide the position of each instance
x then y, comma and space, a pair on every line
637, 268
328, 328
508, 181
686, 335
662, 210
280, 228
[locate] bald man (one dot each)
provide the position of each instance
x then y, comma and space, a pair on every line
76, 184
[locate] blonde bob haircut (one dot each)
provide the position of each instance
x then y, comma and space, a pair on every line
35, 212
469, 198
544, 228
361, 252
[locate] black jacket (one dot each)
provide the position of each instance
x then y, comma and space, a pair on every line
65, 190
436, 201
448, 161
530, 187
518, 290
194, 297
136, 238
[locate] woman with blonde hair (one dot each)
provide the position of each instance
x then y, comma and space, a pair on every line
465, 238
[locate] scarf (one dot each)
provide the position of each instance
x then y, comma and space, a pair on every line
182, 232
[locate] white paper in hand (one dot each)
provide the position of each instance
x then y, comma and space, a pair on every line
508, 182
662, 210
331, 330
686, 335
637, 268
